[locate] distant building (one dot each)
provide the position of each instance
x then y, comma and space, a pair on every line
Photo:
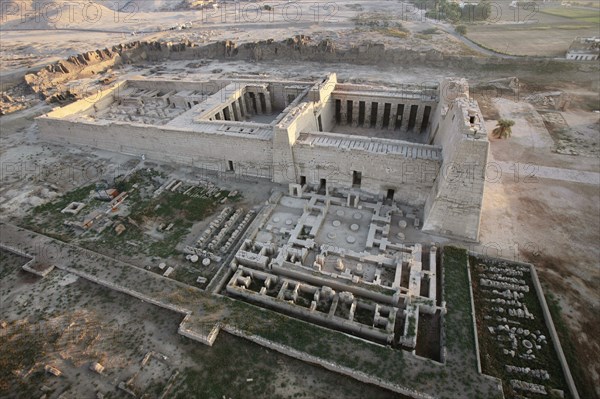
584, 49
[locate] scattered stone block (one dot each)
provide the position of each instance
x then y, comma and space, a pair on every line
97, 367
120, 228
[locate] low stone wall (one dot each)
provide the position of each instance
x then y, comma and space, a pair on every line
550, 324
17, 252
473, 320
124, 290
315, 316
225, 272
547, 319
338, 286
443, 350
206, 339
198, 327
28, 266
42, 273
357, 375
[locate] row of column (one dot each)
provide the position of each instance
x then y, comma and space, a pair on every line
378, 118
258, 101
249, 103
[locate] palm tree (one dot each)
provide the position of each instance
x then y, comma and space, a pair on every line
503, 128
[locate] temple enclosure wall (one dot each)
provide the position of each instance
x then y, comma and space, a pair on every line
411, 178
424, 147
250, 155
453, 207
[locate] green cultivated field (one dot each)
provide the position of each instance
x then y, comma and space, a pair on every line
546, 32
582, 15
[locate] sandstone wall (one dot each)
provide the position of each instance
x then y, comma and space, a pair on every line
250, 155
453, 207
204, 87
411, 178
48, 81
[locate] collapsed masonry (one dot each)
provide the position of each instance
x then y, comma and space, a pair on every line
53, 82
341, 262
424, 146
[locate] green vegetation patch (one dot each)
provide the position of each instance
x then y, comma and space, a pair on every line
139, 213
317, 341
171, 205
492, 311
459, 326
574, 13
77, 195
444, 10
10, 261
393, 32
577, 367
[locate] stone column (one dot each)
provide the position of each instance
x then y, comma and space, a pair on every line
231, 114
368, 114
343, 111
268, 102
393, 116
248, 104
242, 104
419, 120
236, 111
380, 109
405, 117
259, 107
355, 112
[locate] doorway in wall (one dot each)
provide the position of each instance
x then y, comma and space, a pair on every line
322, 187
390, 194
356, 179
230, 166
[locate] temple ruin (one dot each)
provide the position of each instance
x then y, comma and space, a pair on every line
423, 146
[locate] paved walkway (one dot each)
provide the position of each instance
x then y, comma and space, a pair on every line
532, 172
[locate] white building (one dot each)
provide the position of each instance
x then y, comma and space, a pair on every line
584, 49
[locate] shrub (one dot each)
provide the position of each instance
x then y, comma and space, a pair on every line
430, 31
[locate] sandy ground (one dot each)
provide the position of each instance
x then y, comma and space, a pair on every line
543, 201
38, 36
72, 323
544, 208
524, 30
